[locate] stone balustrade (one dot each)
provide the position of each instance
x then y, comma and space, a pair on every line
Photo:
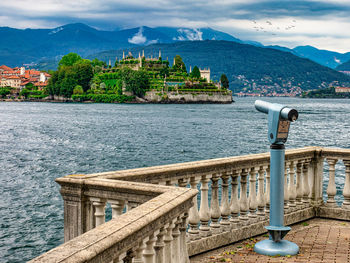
166, 220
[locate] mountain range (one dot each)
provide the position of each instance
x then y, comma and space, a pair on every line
245, 65
26, 46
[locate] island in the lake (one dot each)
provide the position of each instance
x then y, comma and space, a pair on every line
134, 80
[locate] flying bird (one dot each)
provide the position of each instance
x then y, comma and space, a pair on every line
268, 22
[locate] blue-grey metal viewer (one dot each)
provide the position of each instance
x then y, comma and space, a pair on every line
279, 118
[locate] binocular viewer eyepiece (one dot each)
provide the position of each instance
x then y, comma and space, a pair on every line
285, 112
279, 118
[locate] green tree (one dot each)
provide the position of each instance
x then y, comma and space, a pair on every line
4, 92
179, 64
24, 93
136, 82
30, 86
83, 74
78, 90
97, 62
224, 81
195, 74
164, 72
69, 59
68, 83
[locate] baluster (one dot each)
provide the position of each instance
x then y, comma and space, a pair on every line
299, 185
306, 187
168, 238
346, 190
285, 189
331, 189
215, 207
291, 188
117, 207
225, 206
99, 205
159, 246
193, 214
183, 244
139, 253
234, 207
204, 213
253, 204
120, 258
175, 255
126, 257
261, 198
267, 193
243, 200
149, 253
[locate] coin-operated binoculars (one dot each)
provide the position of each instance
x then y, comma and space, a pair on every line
279, 119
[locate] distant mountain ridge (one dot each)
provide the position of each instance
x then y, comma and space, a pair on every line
24, 46
245, 65
344, 67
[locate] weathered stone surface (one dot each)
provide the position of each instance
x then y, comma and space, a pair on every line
320, 240
225, 238
174, 97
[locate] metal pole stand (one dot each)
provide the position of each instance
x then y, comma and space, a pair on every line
275, 245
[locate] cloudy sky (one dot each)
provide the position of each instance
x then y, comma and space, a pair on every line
324, 24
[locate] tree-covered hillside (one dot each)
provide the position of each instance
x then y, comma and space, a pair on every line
249, 68
344, 67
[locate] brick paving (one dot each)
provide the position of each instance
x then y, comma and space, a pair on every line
320, 240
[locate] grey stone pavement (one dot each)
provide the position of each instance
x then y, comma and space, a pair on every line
320, 240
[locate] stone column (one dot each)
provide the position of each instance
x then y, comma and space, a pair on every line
175, 249
306, 187
99, 205
117, 207
291, 188
194, 219
243, 198
253, 204
149, 253
204, 212
77, 209
285, 189
261, 197
317, 188
331, 189
168, 238
139, 253
215, 208
299, 185
225, 206
346, 190
183, 244
234, 207
159, 246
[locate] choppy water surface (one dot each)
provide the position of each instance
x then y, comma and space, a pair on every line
42, 141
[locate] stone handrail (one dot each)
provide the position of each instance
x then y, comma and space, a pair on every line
153, 230
233, 202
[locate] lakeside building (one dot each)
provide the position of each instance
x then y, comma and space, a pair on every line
342, 89
17, 78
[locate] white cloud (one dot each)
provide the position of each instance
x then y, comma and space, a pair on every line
138, 38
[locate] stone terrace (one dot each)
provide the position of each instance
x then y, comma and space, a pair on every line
320, 240
172, 212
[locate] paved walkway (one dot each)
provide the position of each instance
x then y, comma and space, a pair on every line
320, 240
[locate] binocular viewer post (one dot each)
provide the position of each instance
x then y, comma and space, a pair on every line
279, 119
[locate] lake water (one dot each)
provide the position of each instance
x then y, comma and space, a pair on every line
42, 141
